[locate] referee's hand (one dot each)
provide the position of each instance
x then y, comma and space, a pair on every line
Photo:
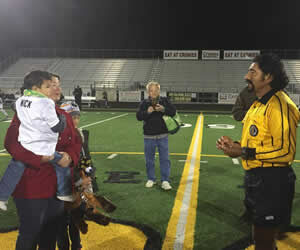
229, 147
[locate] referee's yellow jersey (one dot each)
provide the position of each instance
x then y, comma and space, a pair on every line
270, 126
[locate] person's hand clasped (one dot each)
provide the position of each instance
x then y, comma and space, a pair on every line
46, 158
229, 147
159, 108
65, 161
150, 110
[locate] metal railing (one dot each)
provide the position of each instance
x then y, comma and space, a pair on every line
90, 53
128, 53
68, 85
13, 84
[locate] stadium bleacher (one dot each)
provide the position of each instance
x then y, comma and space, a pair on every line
121, 73
213, 76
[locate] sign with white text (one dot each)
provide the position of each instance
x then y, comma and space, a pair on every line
129, 96
240, 54
227, 98
181, 54
210, 54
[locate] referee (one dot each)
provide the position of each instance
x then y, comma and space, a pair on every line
267, 149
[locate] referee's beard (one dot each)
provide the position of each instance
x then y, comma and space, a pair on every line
250, 86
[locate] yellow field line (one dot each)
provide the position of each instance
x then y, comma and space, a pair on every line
135, 153
4, 154
141, 153
191, 219
170, 237
119, 153
130, 153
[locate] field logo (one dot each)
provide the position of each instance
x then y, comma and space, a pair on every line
220, 126
186, 125
122, 177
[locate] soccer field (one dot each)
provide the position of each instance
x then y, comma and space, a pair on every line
203, 208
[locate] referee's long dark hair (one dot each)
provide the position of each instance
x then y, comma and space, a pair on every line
271, 64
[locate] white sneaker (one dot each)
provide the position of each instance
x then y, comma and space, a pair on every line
149, 184
166, 185
3, 205
69, 198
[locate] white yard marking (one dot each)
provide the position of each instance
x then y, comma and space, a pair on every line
112, 156
186, 125
112, 118
200, 161
235, 161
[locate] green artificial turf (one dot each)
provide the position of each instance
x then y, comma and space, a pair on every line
219, 197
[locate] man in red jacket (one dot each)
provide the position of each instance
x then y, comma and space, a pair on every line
37, 207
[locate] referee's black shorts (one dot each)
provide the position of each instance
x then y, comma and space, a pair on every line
269, 194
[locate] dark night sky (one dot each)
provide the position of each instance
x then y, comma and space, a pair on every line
145, 24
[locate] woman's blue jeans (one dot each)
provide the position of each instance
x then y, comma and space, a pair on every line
162, 145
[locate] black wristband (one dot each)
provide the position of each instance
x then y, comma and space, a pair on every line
248, 153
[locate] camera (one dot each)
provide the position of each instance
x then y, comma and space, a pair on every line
154, 102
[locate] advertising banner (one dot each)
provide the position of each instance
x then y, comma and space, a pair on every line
129, 96
240, 54
210, 54
181, 54
227, 98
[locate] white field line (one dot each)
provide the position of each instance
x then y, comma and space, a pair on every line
200, 161
112, 118
112, 156
183, 216
91, 124
235, 161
